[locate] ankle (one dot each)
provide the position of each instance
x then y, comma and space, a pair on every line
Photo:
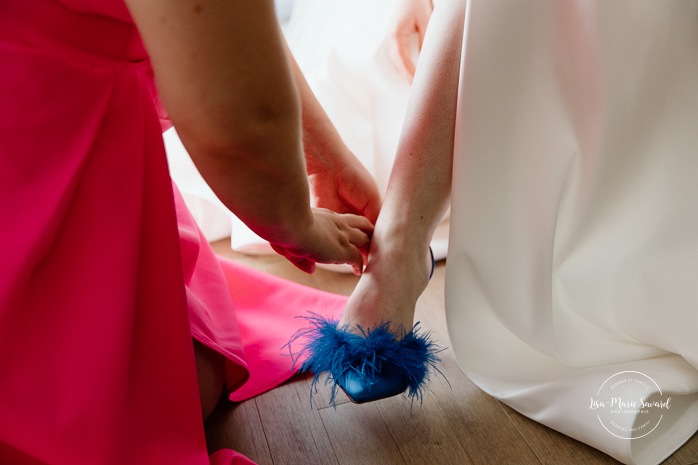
399, 257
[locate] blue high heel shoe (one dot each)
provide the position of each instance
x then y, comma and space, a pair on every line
369, 366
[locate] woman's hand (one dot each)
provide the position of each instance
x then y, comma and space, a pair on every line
411, 18
346, 188
338, 180
331, 238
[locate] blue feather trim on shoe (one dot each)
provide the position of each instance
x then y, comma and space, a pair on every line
368, 366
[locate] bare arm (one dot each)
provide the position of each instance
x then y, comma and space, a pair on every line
420, 182
339, 181
223, 75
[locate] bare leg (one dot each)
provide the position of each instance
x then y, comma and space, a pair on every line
418, 191
210, 370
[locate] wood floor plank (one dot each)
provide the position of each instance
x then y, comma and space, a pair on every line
554, 448
474, 418
294, 431
322, 392
339, 283
360, 436
686, 455
238, 427
481, 426
422, 432
458, 423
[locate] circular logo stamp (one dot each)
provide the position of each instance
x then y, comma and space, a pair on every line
630, 405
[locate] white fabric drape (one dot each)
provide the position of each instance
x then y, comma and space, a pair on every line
574, 221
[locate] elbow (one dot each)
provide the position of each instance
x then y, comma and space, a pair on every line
241, 130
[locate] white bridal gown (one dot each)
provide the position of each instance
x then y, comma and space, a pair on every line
574, 225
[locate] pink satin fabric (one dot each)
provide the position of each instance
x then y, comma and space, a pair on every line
244, 314
269, 311
99, 295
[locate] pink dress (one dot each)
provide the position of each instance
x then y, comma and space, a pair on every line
96, 358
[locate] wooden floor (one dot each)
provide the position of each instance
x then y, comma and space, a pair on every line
457, 424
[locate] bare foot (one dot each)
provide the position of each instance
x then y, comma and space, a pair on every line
376, 367
388, 290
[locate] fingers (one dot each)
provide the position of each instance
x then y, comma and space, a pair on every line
358, 222
400, 46
357, 189
347, 188
299, 262
303, 264
405, 52
333, 238
371, 210
423, 20
357, 263
401, 54
359, 239
412, 17
307, 266
358, 233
